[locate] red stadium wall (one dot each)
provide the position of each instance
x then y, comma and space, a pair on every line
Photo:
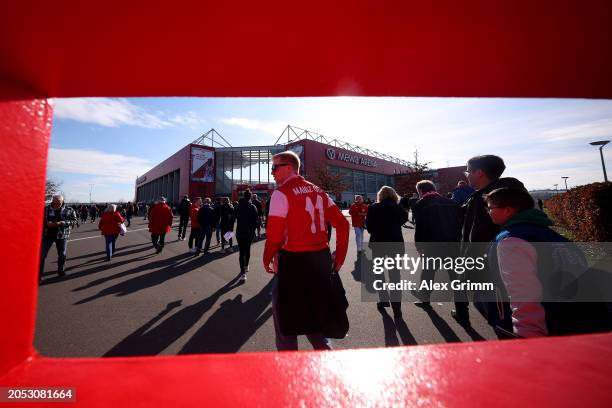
475, 48
179, 160
316, 154
445, 178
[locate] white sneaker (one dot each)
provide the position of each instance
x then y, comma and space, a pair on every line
243, 277
193, 250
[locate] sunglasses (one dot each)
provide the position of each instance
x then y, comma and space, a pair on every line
276, 166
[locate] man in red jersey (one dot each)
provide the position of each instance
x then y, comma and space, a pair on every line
297, 244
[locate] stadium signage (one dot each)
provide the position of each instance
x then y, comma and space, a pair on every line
332, 154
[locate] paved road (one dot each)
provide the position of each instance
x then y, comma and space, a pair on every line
173, 303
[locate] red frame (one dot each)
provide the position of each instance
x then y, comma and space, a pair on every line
546, 48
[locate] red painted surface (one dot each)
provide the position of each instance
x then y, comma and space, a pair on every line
548, 48
481, 48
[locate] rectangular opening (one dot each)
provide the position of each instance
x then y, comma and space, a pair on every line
134, 150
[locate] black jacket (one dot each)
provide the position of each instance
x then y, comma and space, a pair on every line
477, 225
184, 207
384, 221
246, 218
257, 205
436, 220
206, 217
226, 217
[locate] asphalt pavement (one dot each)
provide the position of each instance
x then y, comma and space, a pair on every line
143, 303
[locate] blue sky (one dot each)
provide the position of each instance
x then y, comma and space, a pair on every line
107, 142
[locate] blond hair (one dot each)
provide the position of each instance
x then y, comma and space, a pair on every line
386, 193
289, 157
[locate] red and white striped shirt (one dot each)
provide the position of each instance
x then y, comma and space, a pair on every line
297, 222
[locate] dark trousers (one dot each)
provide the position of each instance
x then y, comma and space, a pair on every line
183, 226
158, 240
290, 342
244, 246
61, 245
205, 233
129, 220
259, 223
110, 245
195, 235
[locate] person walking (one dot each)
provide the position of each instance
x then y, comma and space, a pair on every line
129, 213
226, 223
57, 224
358, 213
110, 227
298, 253
484, 175
384, 223
247, 218
196, 231
461, 193
160, 223
537, 266
436, 232
93, 212
411, 202
257, 203
184, 209
208, 221
83, 211
217, 208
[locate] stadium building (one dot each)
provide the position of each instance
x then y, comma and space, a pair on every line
211, 167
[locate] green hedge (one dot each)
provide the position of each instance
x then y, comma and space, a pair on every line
586, 211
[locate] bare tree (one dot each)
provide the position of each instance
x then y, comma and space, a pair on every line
405, 184
331, 183
52, 187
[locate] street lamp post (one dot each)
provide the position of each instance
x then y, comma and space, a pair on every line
556, 189
601, 144
565, 179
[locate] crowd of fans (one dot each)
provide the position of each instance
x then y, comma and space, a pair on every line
299, 217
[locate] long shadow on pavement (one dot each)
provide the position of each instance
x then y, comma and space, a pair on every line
393, 327
103, 267
118, 253
175, 269
445, 330
153, 265
148, 341
230, 327
100, 253
356, 272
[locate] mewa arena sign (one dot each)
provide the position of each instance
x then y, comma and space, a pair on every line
332, 154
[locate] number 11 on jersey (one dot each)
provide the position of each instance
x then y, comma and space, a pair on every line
310, 207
